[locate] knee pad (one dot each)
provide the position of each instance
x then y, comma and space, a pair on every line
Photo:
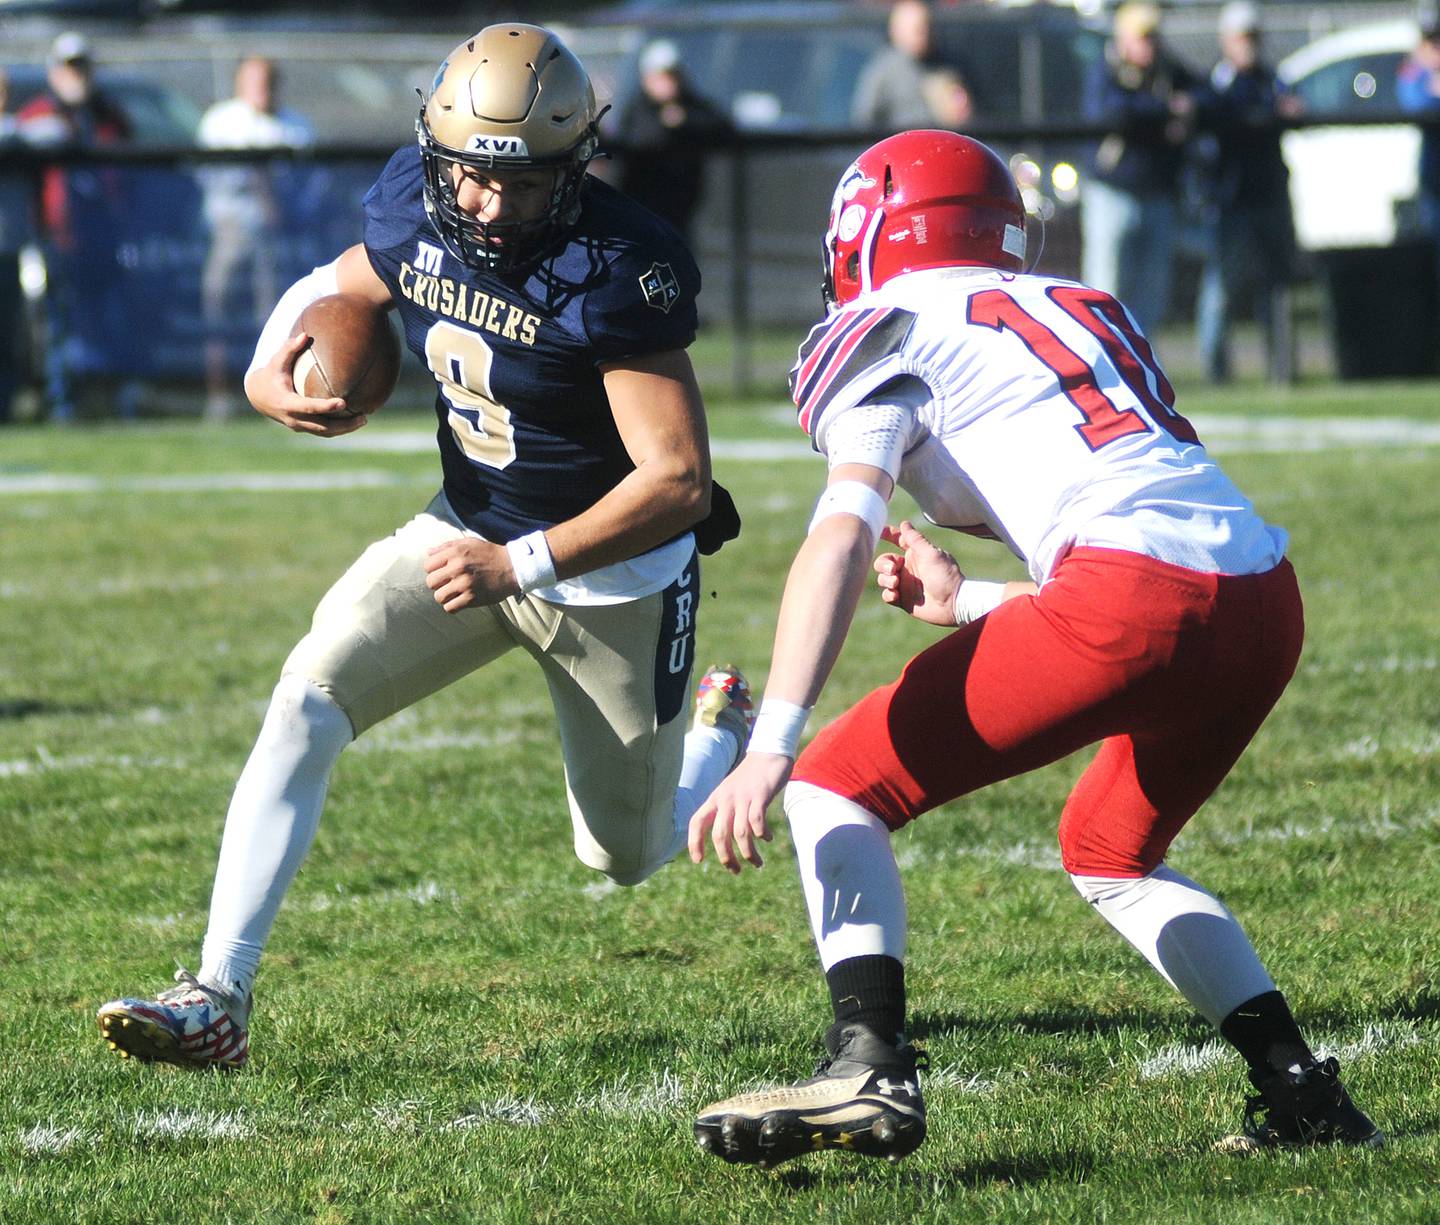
301, 712
626, 875
628, 879
626, 868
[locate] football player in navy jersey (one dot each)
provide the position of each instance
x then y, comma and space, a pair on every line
554, 314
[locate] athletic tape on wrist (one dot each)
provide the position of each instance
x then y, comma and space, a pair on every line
777, 728
530, 557
851, 498
973, 599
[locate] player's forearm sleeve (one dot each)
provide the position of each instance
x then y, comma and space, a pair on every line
316, 284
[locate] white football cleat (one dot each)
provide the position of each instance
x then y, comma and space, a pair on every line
723, 700
194, 1024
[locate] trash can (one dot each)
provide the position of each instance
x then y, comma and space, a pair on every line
1384, 306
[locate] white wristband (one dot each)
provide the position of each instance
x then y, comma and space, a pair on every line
974, 599
530, 557
777, 728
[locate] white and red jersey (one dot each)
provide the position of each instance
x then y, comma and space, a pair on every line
1037, 414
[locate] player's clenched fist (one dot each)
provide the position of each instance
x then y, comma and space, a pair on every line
468, 573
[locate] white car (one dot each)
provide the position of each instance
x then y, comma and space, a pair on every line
1352, 186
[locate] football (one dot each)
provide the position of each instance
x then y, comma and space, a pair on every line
353, 353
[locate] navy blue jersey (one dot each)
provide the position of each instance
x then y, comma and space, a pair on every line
526, 436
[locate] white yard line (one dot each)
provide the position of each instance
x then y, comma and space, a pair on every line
44, 763
1233, 433
46, 1138
1044, 856
206, 482
422, 893
177, 1124
50, 1138
1227, 434
1223, 433
133, 584
1376, 1039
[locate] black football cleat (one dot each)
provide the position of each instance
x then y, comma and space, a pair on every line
1296, 1110
864, 1098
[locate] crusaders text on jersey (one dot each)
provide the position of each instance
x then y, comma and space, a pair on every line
525, 431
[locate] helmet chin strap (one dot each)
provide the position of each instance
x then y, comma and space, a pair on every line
1034, 227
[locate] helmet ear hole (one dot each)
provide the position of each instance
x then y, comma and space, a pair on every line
852, 266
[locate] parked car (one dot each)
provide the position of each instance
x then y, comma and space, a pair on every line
1352, 186
1354, 195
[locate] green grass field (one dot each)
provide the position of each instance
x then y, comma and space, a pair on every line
457, 1021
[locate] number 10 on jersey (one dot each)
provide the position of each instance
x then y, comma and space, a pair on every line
1130, 353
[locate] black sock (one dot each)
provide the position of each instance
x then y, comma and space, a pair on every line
869, 990
1265, 1034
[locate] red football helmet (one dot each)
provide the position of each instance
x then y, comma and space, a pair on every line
923, 199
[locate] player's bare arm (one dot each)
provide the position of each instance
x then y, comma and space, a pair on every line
661, 420
271, 387
821, 593
660, 416
924, 580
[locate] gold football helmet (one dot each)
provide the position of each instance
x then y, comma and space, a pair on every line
510, 98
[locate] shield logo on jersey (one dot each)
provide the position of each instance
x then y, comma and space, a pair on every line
660, 287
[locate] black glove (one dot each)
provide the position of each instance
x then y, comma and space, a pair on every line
721, 524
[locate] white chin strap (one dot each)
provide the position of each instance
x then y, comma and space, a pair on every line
1034, 226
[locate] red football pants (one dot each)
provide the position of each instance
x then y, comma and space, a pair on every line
1173, 669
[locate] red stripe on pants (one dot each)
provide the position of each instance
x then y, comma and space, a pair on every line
1173, 669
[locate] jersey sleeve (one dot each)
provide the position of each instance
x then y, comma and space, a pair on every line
646, 304
392, 202
845, 358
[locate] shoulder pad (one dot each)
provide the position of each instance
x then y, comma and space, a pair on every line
844, 358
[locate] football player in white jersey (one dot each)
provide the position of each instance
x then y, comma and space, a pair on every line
1163, 621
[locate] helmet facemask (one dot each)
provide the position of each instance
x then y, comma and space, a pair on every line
501, 246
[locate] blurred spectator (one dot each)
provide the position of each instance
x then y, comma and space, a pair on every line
907, 85
1418, 92
1128, 209
666, 126
80, 210
15, 197
1250, 229
243, 214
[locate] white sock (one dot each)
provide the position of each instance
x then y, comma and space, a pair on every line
710, 754
1186, 933
848, 870
273, 817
